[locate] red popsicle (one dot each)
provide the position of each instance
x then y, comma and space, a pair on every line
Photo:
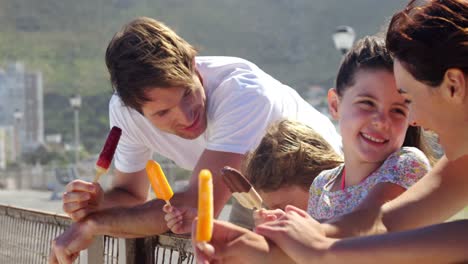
107, 152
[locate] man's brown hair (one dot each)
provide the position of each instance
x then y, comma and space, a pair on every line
146, 53
290, 153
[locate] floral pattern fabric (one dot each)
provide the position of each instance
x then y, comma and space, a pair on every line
404, 167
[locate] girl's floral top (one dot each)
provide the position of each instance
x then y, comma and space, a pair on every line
404, 167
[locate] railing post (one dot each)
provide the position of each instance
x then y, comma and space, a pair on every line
139, 251
95, 253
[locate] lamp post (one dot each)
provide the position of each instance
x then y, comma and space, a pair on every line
344, 38
75, 103
17, 115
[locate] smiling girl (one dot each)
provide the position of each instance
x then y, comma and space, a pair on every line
373, 119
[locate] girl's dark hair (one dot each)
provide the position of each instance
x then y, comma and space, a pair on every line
429, 37
369, 53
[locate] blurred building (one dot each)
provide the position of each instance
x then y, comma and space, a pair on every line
33, 111
22, 91
7, 147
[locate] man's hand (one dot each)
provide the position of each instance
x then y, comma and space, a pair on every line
66, 247
81, 198
297, 234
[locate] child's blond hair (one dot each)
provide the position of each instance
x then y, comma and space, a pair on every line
290, 153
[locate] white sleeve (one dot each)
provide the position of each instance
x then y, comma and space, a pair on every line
131, 154
239, 118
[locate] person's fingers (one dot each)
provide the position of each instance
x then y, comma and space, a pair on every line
181, 228
80, 186
74, 256
175, 214
203, 253
79, 214
167, 208
173, 222
291, 208
272, 231
276, 212
52, 257
69, 197
60, 254
73, 206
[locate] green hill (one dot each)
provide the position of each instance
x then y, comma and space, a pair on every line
66, 40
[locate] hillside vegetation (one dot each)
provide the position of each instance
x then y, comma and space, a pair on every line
66, 40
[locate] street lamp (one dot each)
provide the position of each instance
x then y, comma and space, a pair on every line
343, 38
17, 115
75, 103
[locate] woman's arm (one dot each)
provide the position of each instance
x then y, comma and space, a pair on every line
433, 199
443, 243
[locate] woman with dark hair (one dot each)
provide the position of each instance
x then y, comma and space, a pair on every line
429, 42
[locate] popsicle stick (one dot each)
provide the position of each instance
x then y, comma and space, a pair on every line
99, 172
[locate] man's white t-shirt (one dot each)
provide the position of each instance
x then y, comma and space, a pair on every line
242, 101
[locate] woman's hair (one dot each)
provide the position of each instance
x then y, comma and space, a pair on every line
428, 37
290, 153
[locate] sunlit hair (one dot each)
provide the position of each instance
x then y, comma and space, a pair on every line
428, 37
290, 153
370, 54
146, 53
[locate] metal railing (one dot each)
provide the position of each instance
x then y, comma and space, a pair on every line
25, 237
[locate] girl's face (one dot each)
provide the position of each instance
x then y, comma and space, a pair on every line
372, 115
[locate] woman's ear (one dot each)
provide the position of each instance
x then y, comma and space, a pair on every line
333, 103
454, 85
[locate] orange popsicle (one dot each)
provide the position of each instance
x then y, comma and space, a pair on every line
158, 181
205, 207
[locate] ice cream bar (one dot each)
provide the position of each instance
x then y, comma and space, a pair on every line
205, 207
241, 188
158, 181
107, 152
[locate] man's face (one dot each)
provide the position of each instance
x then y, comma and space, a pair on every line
177, 110
292, 195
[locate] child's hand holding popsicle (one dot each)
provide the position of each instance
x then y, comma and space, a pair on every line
176, 218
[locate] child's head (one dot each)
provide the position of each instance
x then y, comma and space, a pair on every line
372, 115
286, 162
